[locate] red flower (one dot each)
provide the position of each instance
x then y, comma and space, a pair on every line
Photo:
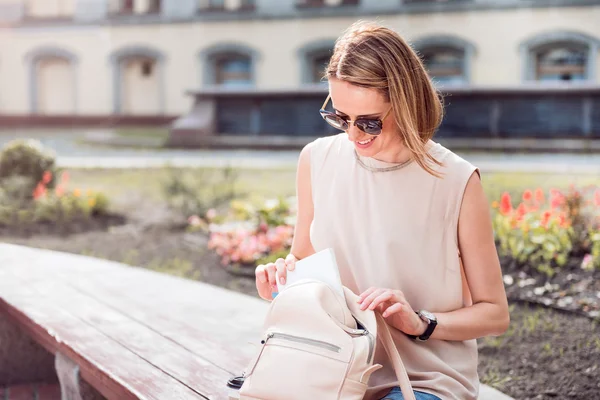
47, 177
539, 195
40, 191
597, 197
60, 190
505, 204
557, 199
521, 211
546, 217
527, 195
65, 177
562, 221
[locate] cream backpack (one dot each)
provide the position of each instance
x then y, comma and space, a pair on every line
318, 346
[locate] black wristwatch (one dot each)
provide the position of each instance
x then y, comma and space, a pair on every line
431, 324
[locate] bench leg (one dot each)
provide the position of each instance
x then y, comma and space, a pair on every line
68, 376
22, 360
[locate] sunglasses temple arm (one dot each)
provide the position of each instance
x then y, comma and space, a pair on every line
326, 100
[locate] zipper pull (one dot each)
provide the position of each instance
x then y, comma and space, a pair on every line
269, 336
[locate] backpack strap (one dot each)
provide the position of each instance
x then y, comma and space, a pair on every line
394, 356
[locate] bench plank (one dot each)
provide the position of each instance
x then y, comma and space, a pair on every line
207, 343
217, 324
116, 371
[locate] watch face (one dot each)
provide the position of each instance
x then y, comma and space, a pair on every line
428, 315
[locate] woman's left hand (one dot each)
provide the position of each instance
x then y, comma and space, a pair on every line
395, 309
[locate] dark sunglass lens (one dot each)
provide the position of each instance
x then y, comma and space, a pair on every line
336, 121
370, 126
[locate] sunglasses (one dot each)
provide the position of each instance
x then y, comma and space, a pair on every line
370, 126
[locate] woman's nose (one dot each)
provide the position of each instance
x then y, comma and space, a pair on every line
353, 132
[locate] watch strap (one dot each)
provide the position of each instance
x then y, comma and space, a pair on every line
427, 334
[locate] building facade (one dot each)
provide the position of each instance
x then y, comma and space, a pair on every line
139, 58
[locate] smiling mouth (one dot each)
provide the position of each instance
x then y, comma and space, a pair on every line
364, 142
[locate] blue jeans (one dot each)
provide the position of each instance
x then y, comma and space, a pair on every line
396, 394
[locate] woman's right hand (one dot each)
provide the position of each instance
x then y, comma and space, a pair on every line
266, 278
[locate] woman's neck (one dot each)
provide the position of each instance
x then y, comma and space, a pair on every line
397, 155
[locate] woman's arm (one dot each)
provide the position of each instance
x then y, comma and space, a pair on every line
301, 245
488, 316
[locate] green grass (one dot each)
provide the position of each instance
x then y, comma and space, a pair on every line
516, 183
144, 133
264, 183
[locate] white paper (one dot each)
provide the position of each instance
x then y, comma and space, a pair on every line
320, 266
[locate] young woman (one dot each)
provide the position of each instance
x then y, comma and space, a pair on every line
408, 219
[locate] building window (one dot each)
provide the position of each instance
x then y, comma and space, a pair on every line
445, 64
233, 70
314, 58
326, 3
561, 63
147, 67
154, 6
447, 58
44, 9
226, 5
319, 64
129, 7
560, 56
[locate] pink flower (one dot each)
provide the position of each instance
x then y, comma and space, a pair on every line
587, 261
194, 220
211, 214
557, 199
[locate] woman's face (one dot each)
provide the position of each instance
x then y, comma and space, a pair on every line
352, 102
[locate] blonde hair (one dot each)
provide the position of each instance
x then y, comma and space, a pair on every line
372, 56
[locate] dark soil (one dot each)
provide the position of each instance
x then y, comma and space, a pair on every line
76, 225
546, 354
570, 289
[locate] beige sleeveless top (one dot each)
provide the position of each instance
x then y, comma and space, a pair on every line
398, 229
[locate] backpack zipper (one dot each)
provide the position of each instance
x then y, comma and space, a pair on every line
298, 339
365, 332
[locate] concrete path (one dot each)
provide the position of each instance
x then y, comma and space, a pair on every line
71, 153
536, 163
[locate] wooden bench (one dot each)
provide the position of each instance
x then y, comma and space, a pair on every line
117, 332
129, 333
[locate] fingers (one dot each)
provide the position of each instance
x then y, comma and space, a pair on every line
270, 267
382, 298
369, 299
281, 267
365, 294
393, 309
265, 280
261, 274
290, 261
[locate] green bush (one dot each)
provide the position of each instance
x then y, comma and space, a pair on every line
16, 190
195, 194
27, 158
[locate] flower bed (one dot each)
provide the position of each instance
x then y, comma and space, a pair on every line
247, 235
54, 209
548, 243
549, 247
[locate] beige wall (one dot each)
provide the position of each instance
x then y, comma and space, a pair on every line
495, 34
50, 8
